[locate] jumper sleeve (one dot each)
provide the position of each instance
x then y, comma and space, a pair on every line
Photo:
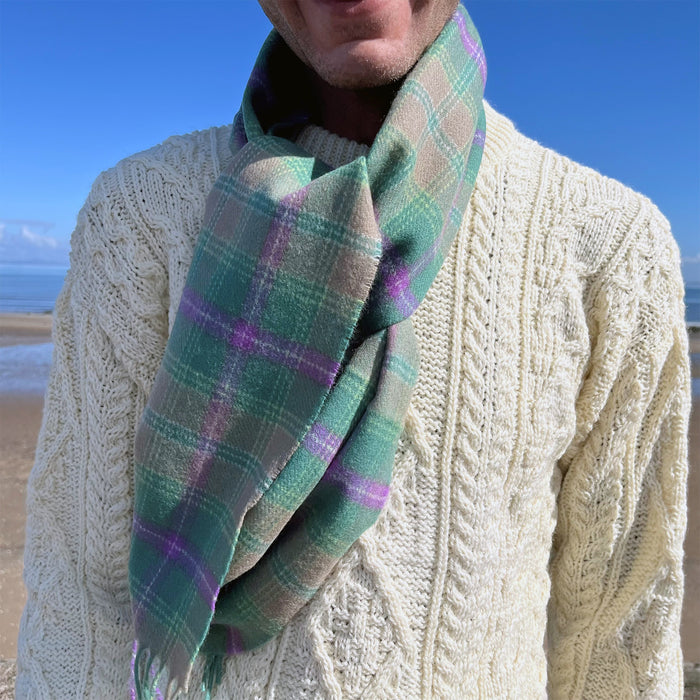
616, 569
75, 632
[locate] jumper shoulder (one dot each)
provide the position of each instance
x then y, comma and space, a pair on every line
598, 218
184, 166
134, 238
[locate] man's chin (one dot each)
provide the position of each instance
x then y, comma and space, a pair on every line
361, 67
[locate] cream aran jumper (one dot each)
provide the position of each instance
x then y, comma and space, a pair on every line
532, 544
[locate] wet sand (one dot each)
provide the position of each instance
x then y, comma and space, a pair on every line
24, 329
20, 418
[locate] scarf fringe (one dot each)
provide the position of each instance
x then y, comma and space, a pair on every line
212, 675
149, 674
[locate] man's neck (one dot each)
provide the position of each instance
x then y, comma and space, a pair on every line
355, 114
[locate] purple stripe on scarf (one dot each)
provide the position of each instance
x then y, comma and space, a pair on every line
355, 487
234, 641
472, 47
398, 280
322, 443
272, 253
391, 260
207, 446
479, 138
394, 275
214, 426
210, 319
176, 549
244, 335
277, 239
244, 332
215, 423
248, 338
288, 353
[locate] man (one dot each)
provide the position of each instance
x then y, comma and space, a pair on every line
532, 484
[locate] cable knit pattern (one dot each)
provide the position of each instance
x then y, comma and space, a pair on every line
539, 486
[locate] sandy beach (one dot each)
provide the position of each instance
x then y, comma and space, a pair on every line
24, 329
20, 418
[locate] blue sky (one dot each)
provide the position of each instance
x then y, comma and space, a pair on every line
614, 84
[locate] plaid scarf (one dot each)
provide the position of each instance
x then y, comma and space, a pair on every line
267, 444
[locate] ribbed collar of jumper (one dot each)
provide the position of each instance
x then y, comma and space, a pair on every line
337, 151
332, 149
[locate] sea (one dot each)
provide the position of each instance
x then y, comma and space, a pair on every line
30, 288
34, 288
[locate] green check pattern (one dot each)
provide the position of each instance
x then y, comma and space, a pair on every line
268, 441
